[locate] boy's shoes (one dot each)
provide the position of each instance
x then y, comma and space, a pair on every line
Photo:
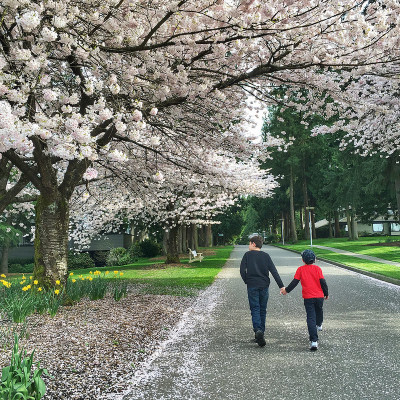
319, 328
260, 339
314, 346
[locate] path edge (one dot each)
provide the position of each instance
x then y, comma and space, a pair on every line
379, 277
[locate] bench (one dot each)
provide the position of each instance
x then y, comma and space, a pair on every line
195, 256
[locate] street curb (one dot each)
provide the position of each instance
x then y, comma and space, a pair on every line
359, 271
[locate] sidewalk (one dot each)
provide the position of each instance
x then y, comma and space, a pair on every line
365, 257
210, 354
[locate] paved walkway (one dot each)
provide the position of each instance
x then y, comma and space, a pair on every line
209, 355
365, 257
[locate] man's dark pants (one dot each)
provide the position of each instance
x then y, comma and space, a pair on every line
258, 299
315, 315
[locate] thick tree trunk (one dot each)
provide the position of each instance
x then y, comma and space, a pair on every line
4, 257
292, 213
354, 226
184, 239
172, 246
337, 225
51, 240
209, 236
195, 237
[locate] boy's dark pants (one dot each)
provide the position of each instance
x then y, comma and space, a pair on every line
258, 299
315, 315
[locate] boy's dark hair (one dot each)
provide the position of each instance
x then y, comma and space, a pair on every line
257, 240
308, 256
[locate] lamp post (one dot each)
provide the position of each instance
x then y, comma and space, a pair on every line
310, 209
283, 237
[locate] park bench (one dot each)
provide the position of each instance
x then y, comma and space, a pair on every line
195, 256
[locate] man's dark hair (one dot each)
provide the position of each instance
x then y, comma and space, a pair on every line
257, 240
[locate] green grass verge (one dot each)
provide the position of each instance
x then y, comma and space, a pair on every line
155, 277
361, 247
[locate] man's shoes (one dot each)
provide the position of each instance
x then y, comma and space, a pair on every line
319, 328
260, 339
314, 346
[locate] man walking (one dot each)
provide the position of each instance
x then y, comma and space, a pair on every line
254, 270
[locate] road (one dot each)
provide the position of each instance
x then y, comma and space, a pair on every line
210, 354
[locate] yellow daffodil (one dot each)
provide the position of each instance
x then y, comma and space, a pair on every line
73, 280
115, 272
58, 282
25, 288
57, 291
121, 273
107, 272
3, 276
39, 289
22, 283
90, 272
31, 277
35, 282
90, 279
71, 273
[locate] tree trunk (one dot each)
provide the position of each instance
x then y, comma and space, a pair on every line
172, 246
292, 213
314, 233
354, 227
397, 187
349, 223
4, 256
306, 212
51, 240
330, 232
195, 237
337, 225
179, 239
184, 239
209, 236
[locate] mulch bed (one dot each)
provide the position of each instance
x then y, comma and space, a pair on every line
90, 347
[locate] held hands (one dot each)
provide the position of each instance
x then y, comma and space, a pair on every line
283, 290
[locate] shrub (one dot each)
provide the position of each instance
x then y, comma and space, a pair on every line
118, 256
274, 238
99, 258
14, 268
18, 268
79, 260
150, 248
135, 252
21, 261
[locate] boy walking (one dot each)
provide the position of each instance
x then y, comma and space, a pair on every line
315, 290
254, 270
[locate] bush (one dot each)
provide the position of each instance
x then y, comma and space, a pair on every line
118, 256
150, 248
99, 258
21, 261
135, 252
80, 260
274, 238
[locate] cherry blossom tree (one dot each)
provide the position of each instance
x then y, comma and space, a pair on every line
90, 85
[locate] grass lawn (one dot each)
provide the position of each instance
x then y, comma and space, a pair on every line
155, 277
390, 253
